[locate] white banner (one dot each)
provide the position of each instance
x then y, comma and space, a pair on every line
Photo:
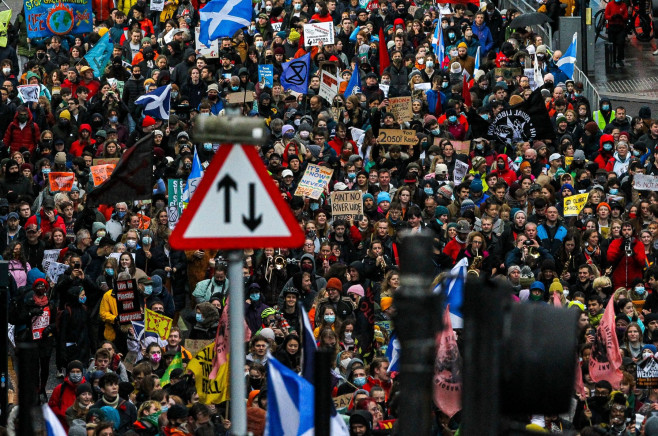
316, 32
29, 93
645, 182
328, 86
460, 171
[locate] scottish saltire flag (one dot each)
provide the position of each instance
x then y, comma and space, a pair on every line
288, 410
99, 55
308, 345
193, 179
393, 352
53, 426
156, 103
568, 60
453, 289
438, 47
477, 59
354, 85
221, 18
295, 74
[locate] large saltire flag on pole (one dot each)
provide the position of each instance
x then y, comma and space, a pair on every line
157, 102
568, 60
221, 18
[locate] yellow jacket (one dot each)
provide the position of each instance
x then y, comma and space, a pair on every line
169, 11
108, 312
125, 5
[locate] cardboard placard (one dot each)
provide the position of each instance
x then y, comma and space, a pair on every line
397, 136
157, 323
508, 73
202, 49
61, 181
319, 32
645, 182
314, 181
346, 204
461, 168
342, 402
194, 345
400, 107
106, 161
463, 147
574, 204
328, 86
647, 373
29, 93
101, 173
127, 296
240, 97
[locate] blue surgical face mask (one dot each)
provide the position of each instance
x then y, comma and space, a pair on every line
451, 35
259, 44
452, 118
109, 271
359, 381
607, 146
444, 85
148, 289
146, 240
234, 88
131, 243
485, 116
640, 290
199, 317
636, 153
614, 191
121, 214
114, 119
436, 132
428, 191
315, 206
207, 146
329, 318
82, 300
45, 170
351, 175
479, 146
606, 107
254, 297
430, 64
174, 94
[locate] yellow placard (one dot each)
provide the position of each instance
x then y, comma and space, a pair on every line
574, 204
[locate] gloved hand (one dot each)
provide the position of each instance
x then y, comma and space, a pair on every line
48, 331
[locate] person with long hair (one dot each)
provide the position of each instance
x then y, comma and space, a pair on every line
290, 353
18, 264
632, 343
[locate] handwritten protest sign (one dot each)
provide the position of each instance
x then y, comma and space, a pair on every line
127, 296
319, 32
645, 182
342, 402
101, 173
56, 269
463, 147
400, 107
314, 181
106, 161
647, 373
175, 204
574, 204
240, 97
157, 323
328, 86
60, 181
49, 256
508, 73
397, 136
29, 93
461, 168
67, 17
346, 204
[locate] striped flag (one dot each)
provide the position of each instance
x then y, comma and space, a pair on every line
477, 59
193, 179
437, 42
568, 60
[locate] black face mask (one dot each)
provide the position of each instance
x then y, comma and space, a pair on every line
255, 383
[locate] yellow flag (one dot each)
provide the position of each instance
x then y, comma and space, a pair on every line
157, 323
574, 204
210, 391
5, 18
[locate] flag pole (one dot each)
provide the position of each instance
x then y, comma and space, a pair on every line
237, 357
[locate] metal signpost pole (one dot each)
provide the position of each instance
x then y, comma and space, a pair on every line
237, 359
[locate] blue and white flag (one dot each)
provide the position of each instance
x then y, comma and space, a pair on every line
453, 289
221, 18
157, 102
99, 55
354, 85
53, 426
568, 60
193, 179
393, 352
288, 394
308, 345
295, 74
477, 59
437, 43
288, 411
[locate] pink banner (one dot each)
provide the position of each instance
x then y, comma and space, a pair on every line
447, 370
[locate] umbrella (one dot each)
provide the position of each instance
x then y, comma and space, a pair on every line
533, 18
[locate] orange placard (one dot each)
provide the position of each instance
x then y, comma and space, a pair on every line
101, 173
60, 181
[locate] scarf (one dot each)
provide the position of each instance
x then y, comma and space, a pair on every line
112, 404
41, 301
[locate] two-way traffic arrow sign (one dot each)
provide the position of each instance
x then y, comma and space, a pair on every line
236, 205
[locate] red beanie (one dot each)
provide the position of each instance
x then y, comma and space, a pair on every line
334, 283
148, 121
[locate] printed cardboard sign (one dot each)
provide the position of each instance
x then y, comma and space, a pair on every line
60, 181
315, 33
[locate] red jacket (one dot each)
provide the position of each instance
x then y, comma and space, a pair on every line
604, 156
626, 268
102, 9
506, 174
42, 222
72, 86
16, 138
372, 382
62, 398
616, 14
453, 248
78, 146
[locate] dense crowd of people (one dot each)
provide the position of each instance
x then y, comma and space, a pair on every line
498, 203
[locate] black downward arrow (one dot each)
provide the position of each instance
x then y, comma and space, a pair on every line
227, 183
252, 222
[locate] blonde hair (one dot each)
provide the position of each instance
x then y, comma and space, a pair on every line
601, 282
146, 405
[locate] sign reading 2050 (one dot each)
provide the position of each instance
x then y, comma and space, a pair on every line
45, 18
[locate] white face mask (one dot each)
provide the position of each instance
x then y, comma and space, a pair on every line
344, 363
6, 71
420, 61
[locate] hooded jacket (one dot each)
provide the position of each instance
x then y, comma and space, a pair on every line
27, 137
604, 156
62, 398
618, 165
506, 174
78, 147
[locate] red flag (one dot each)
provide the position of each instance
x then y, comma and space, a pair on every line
605, 360
384, 60
556, 299
223, 340
466, 93
447, 369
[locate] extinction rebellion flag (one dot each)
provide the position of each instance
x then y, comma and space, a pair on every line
525, 121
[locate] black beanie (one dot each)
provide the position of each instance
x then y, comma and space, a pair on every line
73, 365
82, 388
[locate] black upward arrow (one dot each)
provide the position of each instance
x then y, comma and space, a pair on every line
227, 183
252, 222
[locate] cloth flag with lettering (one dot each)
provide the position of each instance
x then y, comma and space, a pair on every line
453, 289
177, 362
354, 85
100, 54
221, 18
223, 339
605, 360
193, 179
466, 92
211, 389
447, 369
157, 102
295, 74
580, 385
568, 60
